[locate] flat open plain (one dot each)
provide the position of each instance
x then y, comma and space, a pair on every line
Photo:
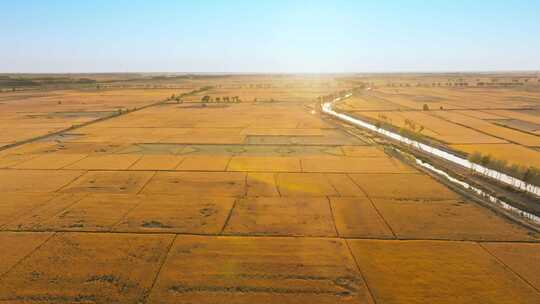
253, 202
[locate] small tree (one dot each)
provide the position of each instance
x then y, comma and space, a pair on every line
526, 174
515, 170
475, 157
425, 107
486, 159
534, 175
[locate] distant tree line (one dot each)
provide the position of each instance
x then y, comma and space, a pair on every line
494, 82
500, 84
342, 93
179, 98
224, 99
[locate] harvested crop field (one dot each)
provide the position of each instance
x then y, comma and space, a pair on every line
264, 200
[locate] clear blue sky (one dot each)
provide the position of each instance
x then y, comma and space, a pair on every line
268, 36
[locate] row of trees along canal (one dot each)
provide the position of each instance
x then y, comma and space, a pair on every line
410, 129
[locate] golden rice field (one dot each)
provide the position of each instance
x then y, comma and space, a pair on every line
257, 201
501, 122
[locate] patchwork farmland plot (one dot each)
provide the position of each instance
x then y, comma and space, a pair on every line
500, 122
258, 201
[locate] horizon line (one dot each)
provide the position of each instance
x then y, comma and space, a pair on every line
285, 73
